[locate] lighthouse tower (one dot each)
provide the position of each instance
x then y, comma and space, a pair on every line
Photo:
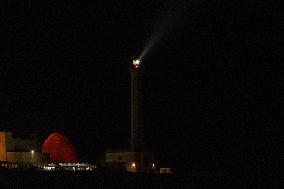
137, 158
137, 131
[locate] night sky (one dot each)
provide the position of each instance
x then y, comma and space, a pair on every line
212, 83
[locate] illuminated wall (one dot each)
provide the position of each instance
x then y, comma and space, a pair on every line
2, 146
25, 157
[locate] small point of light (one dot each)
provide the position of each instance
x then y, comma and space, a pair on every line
32, 151
153, 165
133, 165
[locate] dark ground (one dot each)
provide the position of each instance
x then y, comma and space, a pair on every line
30, 179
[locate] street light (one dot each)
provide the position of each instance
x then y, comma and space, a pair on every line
32, 155
133, 165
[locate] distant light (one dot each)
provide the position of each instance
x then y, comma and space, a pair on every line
136, 63
153, 165
32, 151
133, 165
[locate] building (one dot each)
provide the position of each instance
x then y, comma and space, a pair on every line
18, 151
131, 161
137, 158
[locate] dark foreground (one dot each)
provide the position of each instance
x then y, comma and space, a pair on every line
37, 179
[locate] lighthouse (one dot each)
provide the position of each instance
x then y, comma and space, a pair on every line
137, 131
137, 158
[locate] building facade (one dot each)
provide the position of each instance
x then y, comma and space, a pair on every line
19, 150
131, 161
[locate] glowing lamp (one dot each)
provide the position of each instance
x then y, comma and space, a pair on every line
133, 165
136, 63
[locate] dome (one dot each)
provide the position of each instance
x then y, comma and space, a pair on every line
59, 148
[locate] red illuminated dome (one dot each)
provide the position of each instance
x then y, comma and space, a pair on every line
59, 148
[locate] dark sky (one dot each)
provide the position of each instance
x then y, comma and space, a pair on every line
212, 86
